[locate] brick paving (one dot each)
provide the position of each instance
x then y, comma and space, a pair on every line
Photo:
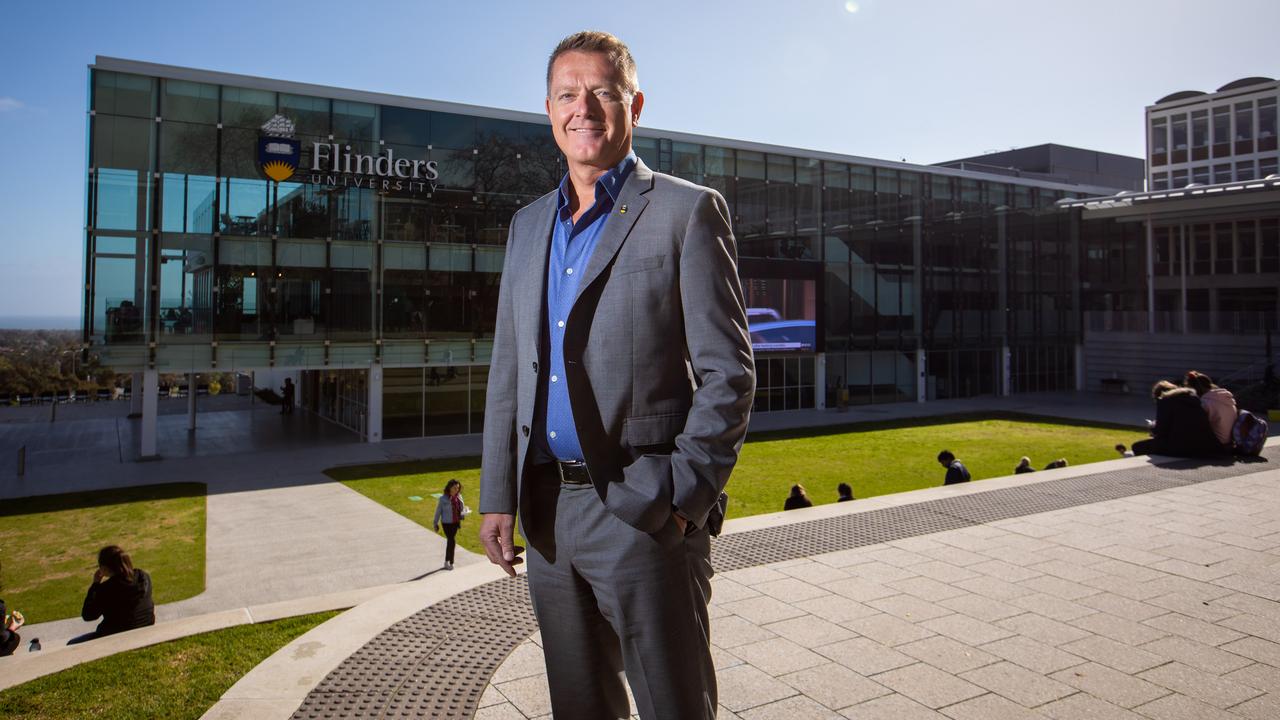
1154, 605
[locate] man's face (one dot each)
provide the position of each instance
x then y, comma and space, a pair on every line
591, 117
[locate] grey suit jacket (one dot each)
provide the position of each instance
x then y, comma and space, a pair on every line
657, 355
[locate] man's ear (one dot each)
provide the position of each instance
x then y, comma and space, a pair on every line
637, 105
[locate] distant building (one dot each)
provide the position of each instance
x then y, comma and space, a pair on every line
1211, 138
1187, 274
1059, 163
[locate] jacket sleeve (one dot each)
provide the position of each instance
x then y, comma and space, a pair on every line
435, 520
498, 458
719, 352
92, 609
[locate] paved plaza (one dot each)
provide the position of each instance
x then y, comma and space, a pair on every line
1125, 591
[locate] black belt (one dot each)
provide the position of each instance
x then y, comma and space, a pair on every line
572, 472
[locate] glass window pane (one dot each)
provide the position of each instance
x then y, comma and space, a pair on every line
117, 300
402, 397
188, 148
456, 132
407, 126
123, 94
186, 288
189, 102
187, 203
245, 108
310, 115
447, 400
353, 121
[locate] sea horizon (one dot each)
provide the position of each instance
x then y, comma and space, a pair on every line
39, 322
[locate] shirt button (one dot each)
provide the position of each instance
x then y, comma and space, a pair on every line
524, 429
559, 323
554, 378
568, 271
535, 366
553, 434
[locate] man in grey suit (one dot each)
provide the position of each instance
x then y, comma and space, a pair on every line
619, 390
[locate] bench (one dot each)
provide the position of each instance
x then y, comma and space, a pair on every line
1116, 386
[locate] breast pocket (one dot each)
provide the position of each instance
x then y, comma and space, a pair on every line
634, 265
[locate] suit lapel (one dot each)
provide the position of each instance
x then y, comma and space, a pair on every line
531, 272
626, 210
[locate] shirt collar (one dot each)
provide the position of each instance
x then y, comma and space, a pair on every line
610, 183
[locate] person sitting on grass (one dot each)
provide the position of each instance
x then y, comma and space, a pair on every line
1218, 403
797, 499
956, 471
1124, 451
1181, 427
845, 492
1024, 466
120, 595
9, 624
1059, 463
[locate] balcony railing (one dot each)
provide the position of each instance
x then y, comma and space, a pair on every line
1230, 322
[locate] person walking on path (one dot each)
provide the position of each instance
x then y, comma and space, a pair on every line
797, 499
120, 595
620, 385
286, 392
956, 471
450, 509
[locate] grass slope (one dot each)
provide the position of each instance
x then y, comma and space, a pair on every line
875, 458
49, 544
176, 680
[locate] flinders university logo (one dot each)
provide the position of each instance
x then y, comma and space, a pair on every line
278, 152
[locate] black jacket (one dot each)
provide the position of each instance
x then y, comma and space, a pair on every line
795, 503
956, 473
1182, 426
121, 604
8, 639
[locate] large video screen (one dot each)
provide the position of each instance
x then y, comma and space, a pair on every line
782, 314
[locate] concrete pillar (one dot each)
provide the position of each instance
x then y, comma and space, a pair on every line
1151, 275
1006, 371
1080, 367
191, 401
820, 381
373, 424
1186, 258
150, 391
922, 380
135, 395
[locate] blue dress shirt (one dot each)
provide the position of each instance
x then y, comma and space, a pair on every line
571, 247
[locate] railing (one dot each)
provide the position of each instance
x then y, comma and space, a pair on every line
1230, 322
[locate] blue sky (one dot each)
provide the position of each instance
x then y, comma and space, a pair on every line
924, 80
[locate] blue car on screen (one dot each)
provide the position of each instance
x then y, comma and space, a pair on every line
783, 335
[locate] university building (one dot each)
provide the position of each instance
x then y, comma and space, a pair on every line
354, 240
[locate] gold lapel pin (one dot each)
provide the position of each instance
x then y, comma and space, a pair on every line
623, 211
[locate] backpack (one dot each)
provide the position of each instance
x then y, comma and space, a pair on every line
1249, 433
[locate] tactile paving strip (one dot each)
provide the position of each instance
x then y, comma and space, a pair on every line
437, 662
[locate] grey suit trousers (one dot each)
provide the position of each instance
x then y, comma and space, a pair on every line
615, 602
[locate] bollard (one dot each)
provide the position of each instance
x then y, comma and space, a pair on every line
22, 461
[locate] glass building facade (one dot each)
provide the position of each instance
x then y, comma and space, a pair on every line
869, 281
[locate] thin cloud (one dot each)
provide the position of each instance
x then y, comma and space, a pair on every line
7, 104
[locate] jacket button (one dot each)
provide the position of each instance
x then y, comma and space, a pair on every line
525, 429
535, 366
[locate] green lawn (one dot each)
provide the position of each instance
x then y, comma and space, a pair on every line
170, 681
875, 458
49, 544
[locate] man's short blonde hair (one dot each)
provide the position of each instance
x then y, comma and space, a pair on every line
600, 42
